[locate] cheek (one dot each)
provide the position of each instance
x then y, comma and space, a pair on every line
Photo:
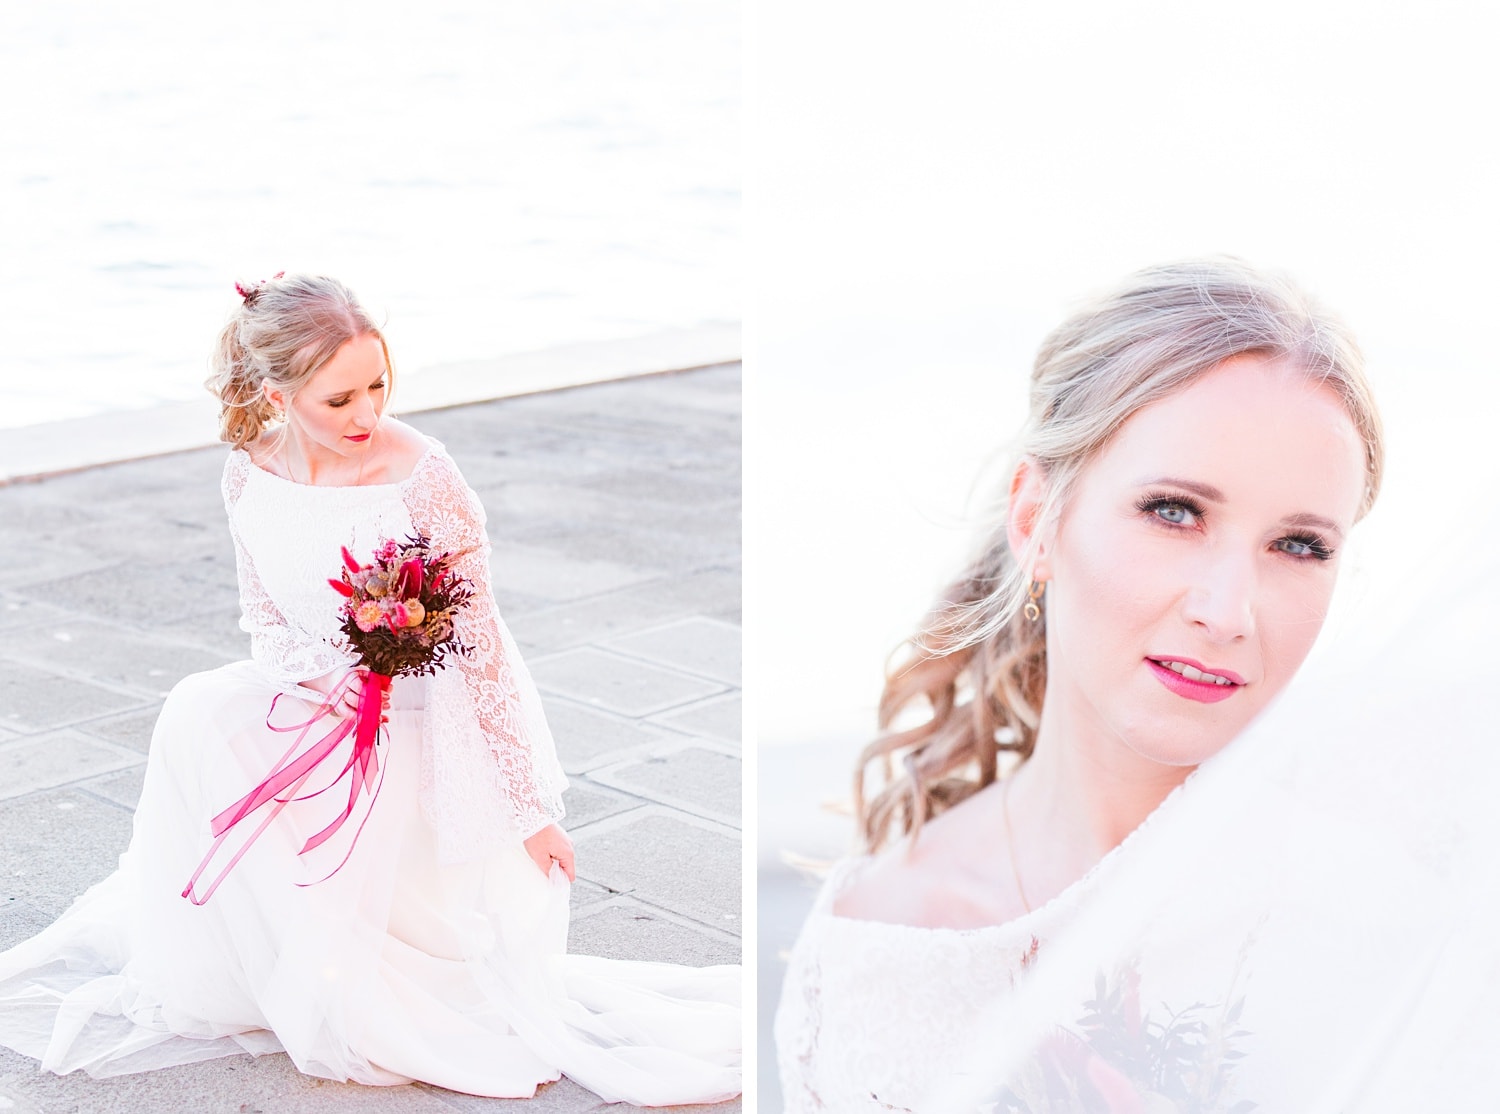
322, 420
1110, 583
1293, 606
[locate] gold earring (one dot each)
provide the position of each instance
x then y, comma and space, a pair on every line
1032, 609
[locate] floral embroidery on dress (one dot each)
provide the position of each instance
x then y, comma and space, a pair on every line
1121, 1059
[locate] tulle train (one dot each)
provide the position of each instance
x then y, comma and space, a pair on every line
394, 969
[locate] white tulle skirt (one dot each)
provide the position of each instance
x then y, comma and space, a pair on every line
395, 969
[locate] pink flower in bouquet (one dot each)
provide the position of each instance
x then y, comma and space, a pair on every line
399, 609
409, 579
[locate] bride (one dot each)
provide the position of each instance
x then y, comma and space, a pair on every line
435, 952
1045, 916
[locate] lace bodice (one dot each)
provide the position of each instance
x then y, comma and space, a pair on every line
872, 1014
489, 768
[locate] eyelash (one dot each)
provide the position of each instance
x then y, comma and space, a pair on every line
345, 402
1317, 548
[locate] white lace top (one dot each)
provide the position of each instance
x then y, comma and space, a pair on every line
873, 1015
489, 769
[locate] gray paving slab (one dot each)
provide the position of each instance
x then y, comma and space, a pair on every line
37, 700
705, 646
583, 894
692, 777
20, 920
614, 511
624, 928
122, 788
109, 653
710, 591
217, 629
625, 853
588, 737
131, 591
17, 610
553, 574
57, 758
55, 845
672, 544
131, 729
598, 619
587, 802
717, 717
617, 683
21, 571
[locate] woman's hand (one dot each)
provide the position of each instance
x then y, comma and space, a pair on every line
551, 845
349, 705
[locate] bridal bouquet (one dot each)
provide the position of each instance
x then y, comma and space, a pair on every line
397, 614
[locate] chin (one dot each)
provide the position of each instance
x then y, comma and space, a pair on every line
1182, 745
1186, 756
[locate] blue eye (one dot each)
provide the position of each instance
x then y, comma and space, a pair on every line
1171, 510
1305, 546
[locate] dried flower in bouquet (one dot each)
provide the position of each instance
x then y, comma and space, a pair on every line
399, 609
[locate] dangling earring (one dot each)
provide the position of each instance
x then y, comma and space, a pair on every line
1032, 610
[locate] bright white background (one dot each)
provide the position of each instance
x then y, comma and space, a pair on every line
933, 186
495, 175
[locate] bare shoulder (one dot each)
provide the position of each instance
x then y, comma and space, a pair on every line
945, 879
403, 449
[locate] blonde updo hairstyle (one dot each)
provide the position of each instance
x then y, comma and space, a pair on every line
283, 331
978, 666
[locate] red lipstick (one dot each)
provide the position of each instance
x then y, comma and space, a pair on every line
361, 438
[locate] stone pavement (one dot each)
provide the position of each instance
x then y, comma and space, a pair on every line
614, 513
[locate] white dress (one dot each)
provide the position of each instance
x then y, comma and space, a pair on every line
874, 1016
437, 952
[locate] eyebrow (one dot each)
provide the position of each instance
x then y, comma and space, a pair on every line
1214, 495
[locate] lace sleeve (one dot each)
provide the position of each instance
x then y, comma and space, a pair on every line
489, 768
288, 655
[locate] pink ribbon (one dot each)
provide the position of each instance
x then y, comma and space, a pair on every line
281, 786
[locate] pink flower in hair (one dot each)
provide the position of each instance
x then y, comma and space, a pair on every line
249, 293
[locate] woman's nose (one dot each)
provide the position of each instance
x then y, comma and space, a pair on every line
1221, 598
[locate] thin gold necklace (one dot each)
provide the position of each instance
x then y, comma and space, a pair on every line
1010, 843
287, 457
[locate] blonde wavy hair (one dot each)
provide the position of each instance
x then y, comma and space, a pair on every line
979, 666
282, 332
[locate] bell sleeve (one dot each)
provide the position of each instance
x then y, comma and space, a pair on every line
489, 767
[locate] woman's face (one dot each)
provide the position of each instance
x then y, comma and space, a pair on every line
1204, 539
338, 408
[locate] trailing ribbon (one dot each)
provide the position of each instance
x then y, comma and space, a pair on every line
281, 786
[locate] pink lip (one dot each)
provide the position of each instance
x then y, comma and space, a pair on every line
361, 437
1205, 692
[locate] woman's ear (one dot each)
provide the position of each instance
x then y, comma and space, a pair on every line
1028, 493
275, 397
